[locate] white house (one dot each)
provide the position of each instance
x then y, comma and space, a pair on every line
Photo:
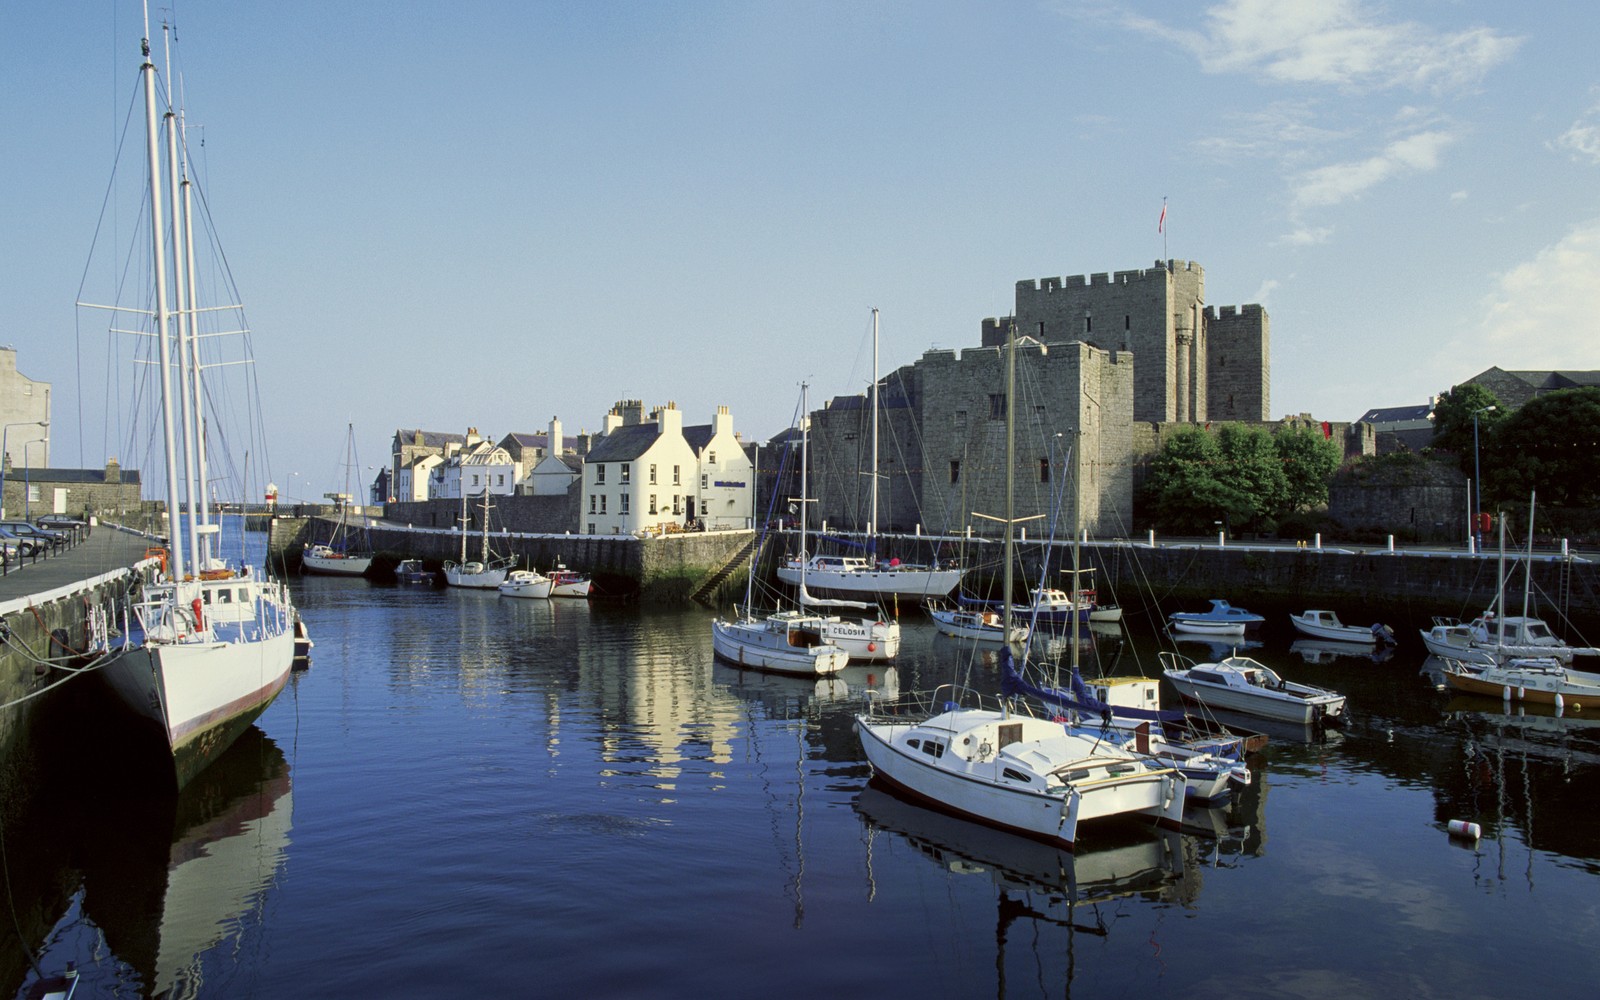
553, 468
412, 482
639, 474
727, 496
477, 466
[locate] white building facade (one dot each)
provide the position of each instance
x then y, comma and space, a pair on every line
645, 475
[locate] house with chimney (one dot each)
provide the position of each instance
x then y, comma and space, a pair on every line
649, 474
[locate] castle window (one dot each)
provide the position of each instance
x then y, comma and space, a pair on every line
997, 406
960, 420
1127, 322
1044, 470
1088, 324
955, 470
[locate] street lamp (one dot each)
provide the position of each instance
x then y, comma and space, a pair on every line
1477, 482
4, 432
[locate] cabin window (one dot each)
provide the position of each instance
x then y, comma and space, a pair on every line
652, 473
1204, 676
933, 748
955, 470
500, 480
224, 596
1010, 733
1015, 775
914, 744
627, 473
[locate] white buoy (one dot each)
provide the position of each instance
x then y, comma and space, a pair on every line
1461, 828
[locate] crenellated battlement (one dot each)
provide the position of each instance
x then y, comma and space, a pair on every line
1231, 312
1073, 282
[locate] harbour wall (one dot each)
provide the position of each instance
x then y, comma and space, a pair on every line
1403, 586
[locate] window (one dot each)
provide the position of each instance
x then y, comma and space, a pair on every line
703, 508
474, 479
711, 458
592, 502
703, 478
591, 526
652, 473
1010, 733
997, 406
913, 744
622, 503
959, 420
1127, 322
600, 474
602, 503
1044, 470
652, 500
1088, 324
1014, 775
627, 473
955, 470
677, 477
677, 504
500, 480
1038, 415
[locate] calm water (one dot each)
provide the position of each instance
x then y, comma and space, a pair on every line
474, 796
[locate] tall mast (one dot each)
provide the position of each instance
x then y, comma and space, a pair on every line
163, 309
181, 291
194, 348
805, 485
1011, 445
872, 517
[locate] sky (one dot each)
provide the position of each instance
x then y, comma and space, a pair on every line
485, 214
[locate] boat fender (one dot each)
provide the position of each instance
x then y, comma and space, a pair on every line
872, 647
1462, 828
199, 619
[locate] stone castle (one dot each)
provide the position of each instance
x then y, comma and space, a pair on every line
1105, 364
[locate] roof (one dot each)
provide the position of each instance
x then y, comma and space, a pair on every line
1550, 381
623, 444
699, 436
430, 439
130, 477
1397, 414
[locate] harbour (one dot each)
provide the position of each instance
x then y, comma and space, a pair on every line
463, 791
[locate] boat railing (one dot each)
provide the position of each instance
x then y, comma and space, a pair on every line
1174, 661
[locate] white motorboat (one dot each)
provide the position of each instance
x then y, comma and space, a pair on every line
527, 583
1326, 625
1005, 767
1222, 619
1240, 684
1490, 639
1212, 762
978, 624
483, 573
568, 583
207, 646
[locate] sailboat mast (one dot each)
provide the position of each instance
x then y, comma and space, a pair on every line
1527, 564
163, 318
805, 485
1011, 448
872, 517
180, 287
194, 349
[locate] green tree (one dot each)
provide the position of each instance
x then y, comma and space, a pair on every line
1452, 422
1252, 466
1550, 446
1309, 461
1188, 490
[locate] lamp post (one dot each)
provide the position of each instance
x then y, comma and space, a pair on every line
4, 437
1477, 484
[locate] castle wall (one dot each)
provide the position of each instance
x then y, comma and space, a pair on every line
1238, 363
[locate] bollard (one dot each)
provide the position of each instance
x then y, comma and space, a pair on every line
1391, 544
1152, 538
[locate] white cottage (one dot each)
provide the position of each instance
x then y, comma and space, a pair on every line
727, 496
643, 475
479, 465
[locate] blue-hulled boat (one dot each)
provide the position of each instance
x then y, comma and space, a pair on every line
1222, 619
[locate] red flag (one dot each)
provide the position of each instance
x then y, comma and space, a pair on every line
1162, 222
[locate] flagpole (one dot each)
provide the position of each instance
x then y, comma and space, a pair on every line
1161, 226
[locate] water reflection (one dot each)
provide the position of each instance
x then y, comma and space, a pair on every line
176, 889
1328, 651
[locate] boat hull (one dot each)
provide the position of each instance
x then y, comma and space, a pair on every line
335, 565
1262, 705
1337, 633
898, 582
202, 695
1201, 627
975, 625
758, 644
474, 576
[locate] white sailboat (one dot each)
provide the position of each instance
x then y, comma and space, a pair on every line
788, 642
1008, 769
336, 557
483, 573
207, 646
859, 575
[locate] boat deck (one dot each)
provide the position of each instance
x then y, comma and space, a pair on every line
107, 550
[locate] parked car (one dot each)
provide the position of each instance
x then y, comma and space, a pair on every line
24, 529
60, 521
15, 545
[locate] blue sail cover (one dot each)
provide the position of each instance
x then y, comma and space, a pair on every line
870, 546
1080, 699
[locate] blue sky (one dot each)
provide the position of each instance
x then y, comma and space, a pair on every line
486, 214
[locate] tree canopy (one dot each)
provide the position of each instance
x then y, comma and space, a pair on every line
1309, 461
1240, 477
1453, 427
1550, 446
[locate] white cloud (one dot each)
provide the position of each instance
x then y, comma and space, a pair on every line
1582, 140
1343, 43
1541, 314
1263, 294
1341, 182
1458, 196
1307, 236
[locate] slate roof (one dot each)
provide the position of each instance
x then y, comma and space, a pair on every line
90, 477
1396, 414
624, 444
699, 436
430, 439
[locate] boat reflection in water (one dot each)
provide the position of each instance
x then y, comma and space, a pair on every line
177, 887
1034, 880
